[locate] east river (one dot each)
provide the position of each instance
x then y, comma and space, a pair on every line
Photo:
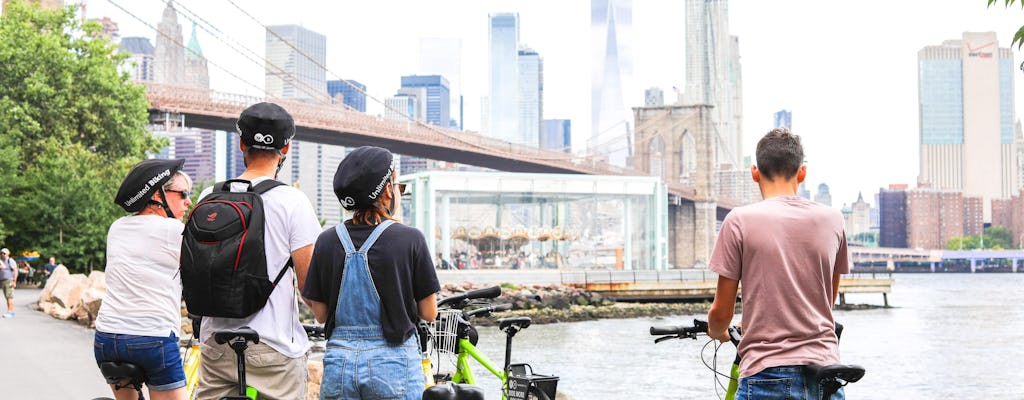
948, 336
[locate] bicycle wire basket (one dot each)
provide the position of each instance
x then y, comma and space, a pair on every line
445, 335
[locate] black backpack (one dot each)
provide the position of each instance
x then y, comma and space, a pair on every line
223, 258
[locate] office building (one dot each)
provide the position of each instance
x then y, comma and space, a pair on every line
141, 60
531, 97
892, 215
432, 95
823, 196
351, 92
966, 101
713, 73
654, 97
557, 135
784, 119
196, 71
611, 71
295, 59
443, 56
934, 217
859, 220
503, 39
802, 191
169, 55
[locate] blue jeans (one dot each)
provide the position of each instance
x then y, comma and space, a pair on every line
159, 357
371, 369
781, 383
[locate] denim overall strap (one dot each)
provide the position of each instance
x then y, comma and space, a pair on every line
357, 313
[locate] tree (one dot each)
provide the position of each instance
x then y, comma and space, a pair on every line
999, 236
73, 124
1018, 38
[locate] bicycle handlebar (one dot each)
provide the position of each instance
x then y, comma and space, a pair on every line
487, 310
698, 327
458, 301
314, 331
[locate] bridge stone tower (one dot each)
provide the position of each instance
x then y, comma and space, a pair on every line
677, 144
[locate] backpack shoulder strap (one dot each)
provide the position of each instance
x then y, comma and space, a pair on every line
280, 275
266, 185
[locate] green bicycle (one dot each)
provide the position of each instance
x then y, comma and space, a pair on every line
453, 341
828, 378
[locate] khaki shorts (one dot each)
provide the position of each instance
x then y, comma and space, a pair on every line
8, 290
274, 375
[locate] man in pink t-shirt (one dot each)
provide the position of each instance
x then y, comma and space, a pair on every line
788, 252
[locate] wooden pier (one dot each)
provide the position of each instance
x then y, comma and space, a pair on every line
693, 284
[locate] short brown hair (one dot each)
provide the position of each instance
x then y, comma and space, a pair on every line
779, 153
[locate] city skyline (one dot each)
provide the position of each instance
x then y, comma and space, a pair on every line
789, 62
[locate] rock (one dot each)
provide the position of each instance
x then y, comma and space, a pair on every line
62, 313
98, 280
91, 300
54, 281
69, 291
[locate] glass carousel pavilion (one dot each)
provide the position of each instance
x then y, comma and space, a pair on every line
517, 220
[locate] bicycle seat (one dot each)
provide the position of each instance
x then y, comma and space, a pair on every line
453, 391
116, 372
519, 322
836, 372
244, 332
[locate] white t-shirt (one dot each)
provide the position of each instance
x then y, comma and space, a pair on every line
291, 224
143, 286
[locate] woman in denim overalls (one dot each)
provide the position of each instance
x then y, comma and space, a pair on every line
360, 363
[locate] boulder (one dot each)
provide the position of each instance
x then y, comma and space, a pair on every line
98, 280
53, 282
69, 290
90, 303
61, 312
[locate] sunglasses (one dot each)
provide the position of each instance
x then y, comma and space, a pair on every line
185, 194
400, 187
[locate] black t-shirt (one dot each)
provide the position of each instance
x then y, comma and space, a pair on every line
401, 268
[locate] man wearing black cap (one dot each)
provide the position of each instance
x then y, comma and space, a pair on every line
291, 227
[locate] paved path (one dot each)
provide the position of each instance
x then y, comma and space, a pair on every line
44, 358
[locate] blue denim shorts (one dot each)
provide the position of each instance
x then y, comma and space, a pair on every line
781, 383
159, 357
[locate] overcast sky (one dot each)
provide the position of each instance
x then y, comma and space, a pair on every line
847, 70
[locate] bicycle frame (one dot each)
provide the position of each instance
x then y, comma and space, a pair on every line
463, 372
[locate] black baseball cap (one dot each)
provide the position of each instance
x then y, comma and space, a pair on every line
145, 178
362, 176
266, 126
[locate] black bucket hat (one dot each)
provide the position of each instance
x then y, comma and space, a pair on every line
362, 176
146, 178
266, 126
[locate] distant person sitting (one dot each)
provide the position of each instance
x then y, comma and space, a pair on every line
50, 267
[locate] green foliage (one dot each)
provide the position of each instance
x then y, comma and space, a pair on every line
994, 238
73, 126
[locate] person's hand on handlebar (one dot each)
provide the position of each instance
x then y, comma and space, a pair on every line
721, 336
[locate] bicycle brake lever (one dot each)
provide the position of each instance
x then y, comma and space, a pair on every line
663, 338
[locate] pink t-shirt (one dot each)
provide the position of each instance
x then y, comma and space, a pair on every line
784, 250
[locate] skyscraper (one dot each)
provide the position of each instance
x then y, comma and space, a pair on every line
349, 95
140, 64
531, 97
892, 216
436, 100
654, 97
823, 196
295, 56
784, 119
713, 73
443, 56
966, 110
611, 71
169, 55
504, 76
557, 135
196, 72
